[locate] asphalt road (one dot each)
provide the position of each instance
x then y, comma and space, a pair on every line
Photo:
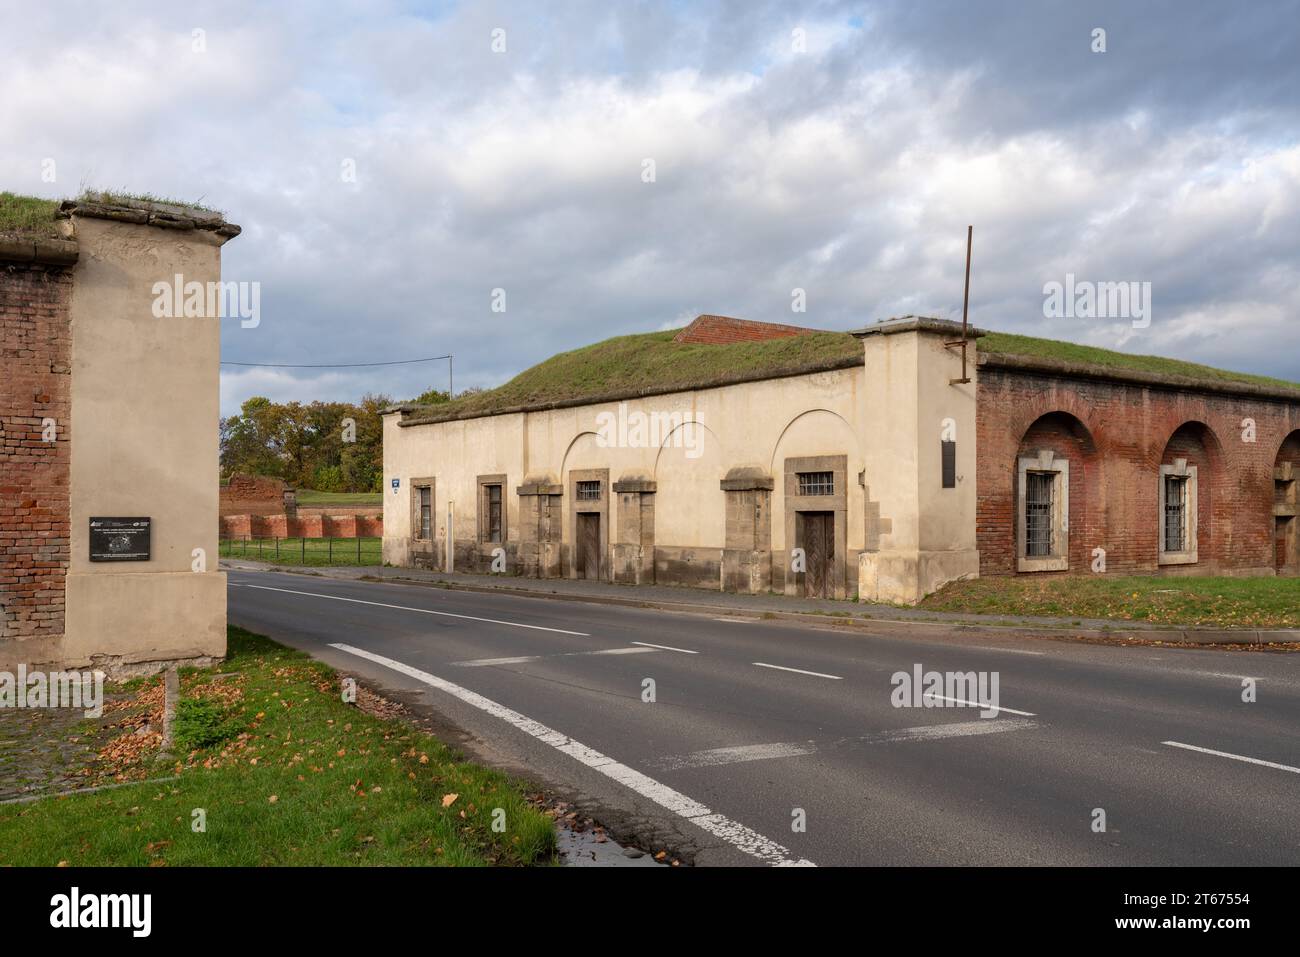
734, 753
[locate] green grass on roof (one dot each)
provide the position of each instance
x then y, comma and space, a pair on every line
1009, 344
117, 196
626, 365
28, 215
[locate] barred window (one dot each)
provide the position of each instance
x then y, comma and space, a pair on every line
816, 483
1175, 513
493, 512
589, 491
426, 512
1038, 514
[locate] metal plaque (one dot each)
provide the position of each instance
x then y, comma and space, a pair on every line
120, 539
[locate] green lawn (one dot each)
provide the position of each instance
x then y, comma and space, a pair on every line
309, 496
1218, 602
299, 778
317, 551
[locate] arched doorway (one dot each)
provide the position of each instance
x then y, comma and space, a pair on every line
1286, 503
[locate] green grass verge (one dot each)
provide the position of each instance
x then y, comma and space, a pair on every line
309, 496
318, 551
299, 778
1215, 602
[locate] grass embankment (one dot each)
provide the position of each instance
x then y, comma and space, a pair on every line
1007, 343
318, 551
1212, 602
286, 773
28, 215
625, 365
315, 499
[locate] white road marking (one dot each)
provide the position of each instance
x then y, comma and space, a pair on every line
978, 704
1220, 674
745, 752
1235, 757
798, 671
735, 621
685, 651
960, 729
1010, 651
714, 757
422, 611
733, 832
520, 659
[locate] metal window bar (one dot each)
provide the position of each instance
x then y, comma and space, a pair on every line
426, 512
816, 483
1175, 513
494, 512
1039, 488
589, 491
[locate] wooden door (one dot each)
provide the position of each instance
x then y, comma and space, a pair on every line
588, 545
815, 534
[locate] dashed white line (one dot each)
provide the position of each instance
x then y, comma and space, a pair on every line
1235, 757
422, 611
733, 832
798, 671
685, 651
977, 704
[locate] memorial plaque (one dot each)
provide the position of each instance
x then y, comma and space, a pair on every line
119, 539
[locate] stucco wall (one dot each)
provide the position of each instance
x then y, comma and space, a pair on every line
756, 425
144, 417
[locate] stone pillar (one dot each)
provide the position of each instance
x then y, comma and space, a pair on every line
921, 534
540, 528
634, 546
747, 556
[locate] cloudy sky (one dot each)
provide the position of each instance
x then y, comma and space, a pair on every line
838, 148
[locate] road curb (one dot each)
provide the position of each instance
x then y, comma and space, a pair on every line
898, 626
888, 626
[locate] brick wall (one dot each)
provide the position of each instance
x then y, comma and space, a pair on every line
1115, 436
719, 330
35, 384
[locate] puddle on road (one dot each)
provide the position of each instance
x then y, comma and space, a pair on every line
586, 849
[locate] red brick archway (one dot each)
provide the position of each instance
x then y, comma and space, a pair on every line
1196, 443
1286, 506
1068, 439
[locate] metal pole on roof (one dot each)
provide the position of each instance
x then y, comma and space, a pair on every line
965, 307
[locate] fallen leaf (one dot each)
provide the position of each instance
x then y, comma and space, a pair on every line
449, 799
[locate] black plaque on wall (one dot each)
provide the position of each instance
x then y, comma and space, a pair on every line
119, 539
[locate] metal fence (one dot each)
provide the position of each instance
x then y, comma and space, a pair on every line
305, 551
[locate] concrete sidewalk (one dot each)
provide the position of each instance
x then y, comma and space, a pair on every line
827, 612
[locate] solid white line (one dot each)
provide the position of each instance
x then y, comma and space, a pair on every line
1010, 651
733, 832
735, 621
1235, 757
685, 651
977, 704
714, 757
798, 671
423, 611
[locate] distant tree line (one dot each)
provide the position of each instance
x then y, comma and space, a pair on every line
312, 445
